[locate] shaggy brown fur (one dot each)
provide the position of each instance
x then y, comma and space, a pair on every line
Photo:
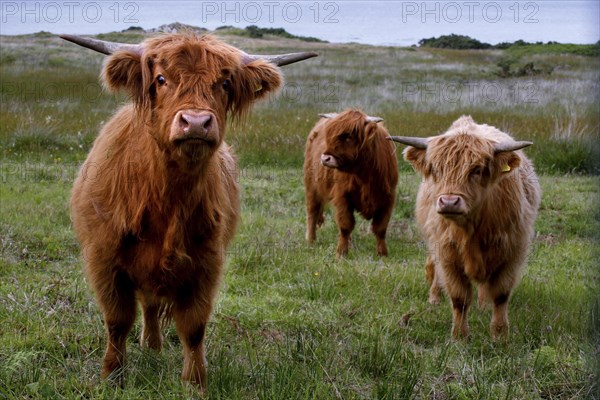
154, 211
494, 199
363, 176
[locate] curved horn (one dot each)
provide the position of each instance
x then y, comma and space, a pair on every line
419, 143
510, 146
329, 115
107, 48
280, 59
101, 46
373, 119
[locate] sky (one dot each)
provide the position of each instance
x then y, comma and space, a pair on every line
373, 22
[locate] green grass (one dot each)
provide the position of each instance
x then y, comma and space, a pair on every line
590, 50
291, 321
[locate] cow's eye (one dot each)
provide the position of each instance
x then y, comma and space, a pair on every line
476, 171
161, 80
226, 85
434, 173
345, 137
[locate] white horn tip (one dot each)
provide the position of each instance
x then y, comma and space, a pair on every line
328, 115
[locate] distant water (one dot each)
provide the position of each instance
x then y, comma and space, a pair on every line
399, 23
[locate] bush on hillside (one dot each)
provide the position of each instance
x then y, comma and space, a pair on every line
454, 41
516, 48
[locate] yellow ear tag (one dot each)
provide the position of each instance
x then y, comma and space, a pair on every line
506, 168
258, 88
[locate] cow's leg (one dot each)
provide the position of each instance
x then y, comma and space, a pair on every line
344, 216
434, 284
151, 335
499, 288
499, 326
381, 219
116, 298
314, 216
458, 287
190, 319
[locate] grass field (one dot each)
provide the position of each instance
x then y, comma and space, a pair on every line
292, 322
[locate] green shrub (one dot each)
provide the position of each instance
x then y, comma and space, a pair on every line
254, 31
43, 34
454, 41
505, 64
7, 58
517, 48
134, 29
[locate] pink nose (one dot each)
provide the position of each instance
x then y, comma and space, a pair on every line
326, 158
450, 204
329, 161
198, 125
195, 124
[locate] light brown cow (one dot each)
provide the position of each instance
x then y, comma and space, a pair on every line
349, 162
476, 207
156, 201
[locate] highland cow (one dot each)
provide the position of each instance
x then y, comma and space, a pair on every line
476, 207
349, 162
156, 215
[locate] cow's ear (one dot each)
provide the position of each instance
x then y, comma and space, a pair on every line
263, 78
123, 71
256, 80
505, 162
416, 157
370, 131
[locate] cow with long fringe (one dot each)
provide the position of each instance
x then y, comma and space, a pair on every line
156, 201
476, 207
349, 162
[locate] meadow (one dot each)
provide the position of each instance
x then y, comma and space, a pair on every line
291, 321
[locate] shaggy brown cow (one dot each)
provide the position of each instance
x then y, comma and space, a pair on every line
156, 202
476, 208
349, 162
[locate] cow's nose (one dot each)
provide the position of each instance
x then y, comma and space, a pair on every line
449, 200
329, 161
450, 204
196, 124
